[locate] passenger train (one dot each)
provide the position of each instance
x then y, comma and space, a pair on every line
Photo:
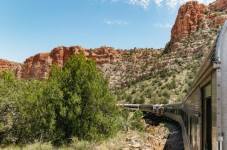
203, 113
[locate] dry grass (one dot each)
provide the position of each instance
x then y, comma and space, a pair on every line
154, 138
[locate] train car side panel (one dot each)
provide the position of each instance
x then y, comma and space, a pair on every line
223, 92
192, 120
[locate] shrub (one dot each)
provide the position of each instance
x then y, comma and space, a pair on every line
164, 101
73, 102
163, 74
167, 48
87, 110
133, 91
155, 99
149, 93
139, 100
124, 120
136, 122
166, 93
129, 98
159, 83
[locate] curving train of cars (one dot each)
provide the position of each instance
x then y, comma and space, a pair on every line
202, 114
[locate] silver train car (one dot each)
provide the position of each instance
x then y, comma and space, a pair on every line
203, 113
157, 109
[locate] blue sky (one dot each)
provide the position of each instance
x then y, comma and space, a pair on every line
28, 27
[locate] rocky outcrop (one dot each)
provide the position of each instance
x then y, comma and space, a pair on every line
6, 65
188, 19
120, 66
218, 5
193, 16
38, 66
193, 33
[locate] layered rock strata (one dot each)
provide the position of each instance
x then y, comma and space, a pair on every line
194, 16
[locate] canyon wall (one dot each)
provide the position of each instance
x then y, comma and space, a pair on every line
192, 35
193, 16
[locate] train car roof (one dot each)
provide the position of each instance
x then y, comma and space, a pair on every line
177, 103
217, 56
214, 55
132, 105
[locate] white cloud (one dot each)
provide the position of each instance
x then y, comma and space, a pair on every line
201, 1
172, 3
146, 3
143, 3
158, 2
115, 22
163, 26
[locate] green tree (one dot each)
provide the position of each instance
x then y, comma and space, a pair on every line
88, 109
74, 102
25, 114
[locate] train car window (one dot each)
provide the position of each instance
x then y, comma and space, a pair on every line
187, 123
194, 133
206, 118
184, 117
208, 124
191, 119
207, 91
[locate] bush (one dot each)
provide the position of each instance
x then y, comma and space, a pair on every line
166, 93
160, 83
129, 98
167, 48
124, 120
171, 85
74, 102
26, 113
137, 123
164, 101
140, 100
133, 91
155, 99
163, 74
149, 92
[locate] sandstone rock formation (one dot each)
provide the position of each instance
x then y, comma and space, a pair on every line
38, 66
6, 65
218, 5
188, 18
193, 16
120, 66
193, 33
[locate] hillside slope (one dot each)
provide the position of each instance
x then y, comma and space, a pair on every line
146, 75
192, 36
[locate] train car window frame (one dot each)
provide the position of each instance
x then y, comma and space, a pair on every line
206, 117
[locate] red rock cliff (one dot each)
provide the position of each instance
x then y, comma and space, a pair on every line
38, 66
188, 18
6, 65
193, 16
218, 5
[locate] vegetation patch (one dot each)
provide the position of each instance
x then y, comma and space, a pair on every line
75, 102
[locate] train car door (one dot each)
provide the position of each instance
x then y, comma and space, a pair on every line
206, 118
